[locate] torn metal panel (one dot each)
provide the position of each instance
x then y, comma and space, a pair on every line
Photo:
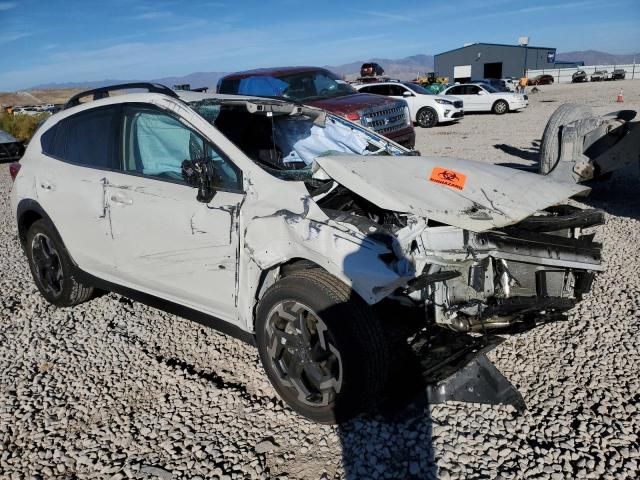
593, 146
463, 193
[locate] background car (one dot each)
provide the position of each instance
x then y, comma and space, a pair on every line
427, 109
579, 77
618, 74
541, 80
600, 75
480, 97
318, 87
11, 149
371, 69
27, 111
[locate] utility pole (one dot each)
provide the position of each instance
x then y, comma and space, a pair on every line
524, 42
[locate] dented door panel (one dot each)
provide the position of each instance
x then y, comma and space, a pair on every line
175, 246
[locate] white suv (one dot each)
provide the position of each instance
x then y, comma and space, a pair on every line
427, 109
285, 225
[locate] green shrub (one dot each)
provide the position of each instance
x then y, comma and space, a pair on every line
21, 126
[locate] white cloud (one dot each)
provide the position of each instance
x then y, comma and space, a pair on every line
389, 16
7, 37
151, 15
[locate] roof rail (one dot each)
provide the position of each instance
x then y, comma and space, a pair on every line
103, 92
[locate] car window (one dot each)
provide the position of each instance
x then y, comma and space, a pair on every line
455, 91
379, 89
396, 90
87, 138
471, 90
418, 89
155, 144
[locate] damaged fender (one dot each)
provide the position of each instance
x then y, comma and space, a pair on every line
306, 233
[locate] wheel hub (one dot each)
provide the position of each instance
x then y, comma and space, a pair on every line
48, 266
302, 353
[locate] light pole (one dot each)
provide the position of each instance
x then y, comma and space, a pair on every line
524, 42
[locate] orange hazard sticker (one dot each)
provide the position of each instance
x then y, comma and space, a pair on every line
447, 177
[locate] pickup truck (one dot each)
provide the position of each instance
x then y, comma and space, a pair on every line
317, 87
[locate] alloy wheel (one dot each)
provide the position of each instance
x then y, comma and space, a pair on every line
302, 353
48, 266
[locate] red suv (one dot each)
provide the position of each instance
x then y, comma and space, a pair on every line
321, 88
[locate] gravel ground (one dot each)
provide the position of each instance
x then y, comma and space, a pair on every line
114, 389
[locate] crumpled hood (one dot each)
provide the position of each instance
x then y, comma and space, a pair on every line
472, 195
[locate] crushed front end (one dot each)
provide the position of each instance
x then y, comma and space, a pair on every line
476, 281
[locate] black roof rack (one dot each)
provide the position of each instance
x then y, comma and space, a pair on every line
103, 92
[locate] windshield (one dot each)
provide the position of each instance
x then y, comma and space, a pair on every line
418, 89
489, 88
298, 86
286, 144
314, 84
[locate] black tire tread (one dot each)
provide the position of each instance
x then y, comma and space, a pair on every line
550, 144
364, 327
76, 292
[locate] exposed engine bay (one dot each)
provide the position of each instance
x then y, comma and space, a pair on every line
475, 281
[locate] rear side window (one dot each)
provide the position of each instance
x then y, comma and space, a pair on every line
87, 138
378, 89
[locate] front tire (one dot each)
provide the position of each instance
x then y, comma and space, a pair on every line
51, 267
321, 346
500, 107
427, 117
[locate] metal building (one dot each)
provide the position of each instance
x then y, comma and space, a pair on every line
492, 60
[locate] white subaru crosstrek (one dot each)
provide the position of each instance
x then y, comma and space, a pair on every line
427, 109
482, 97
285, 226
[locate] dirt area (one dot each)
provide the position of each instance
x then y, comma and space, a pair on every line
515, 137
38, 97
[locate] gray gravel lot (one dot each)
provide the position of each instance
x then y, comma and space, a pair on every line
114, 389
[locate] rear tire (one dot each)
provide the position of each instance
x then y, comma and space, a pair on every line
550, 146
321, 346
52, 268
427, 117
500, 107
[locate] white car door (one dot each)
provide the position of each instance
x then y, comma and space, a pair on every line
403, 93
78, 154
462, 92
167, 243
478, 98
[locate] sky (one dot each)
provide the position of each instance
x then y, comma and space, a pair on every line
44, 41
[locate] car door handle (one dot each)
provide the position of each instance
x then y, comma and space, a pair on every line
46, 186
121, 199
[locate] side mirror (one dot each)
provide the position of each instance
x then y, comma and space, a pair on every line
202, 174
481, 92
407, 94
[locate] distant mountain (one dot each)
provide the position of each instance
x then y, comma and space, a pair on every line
594, 57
